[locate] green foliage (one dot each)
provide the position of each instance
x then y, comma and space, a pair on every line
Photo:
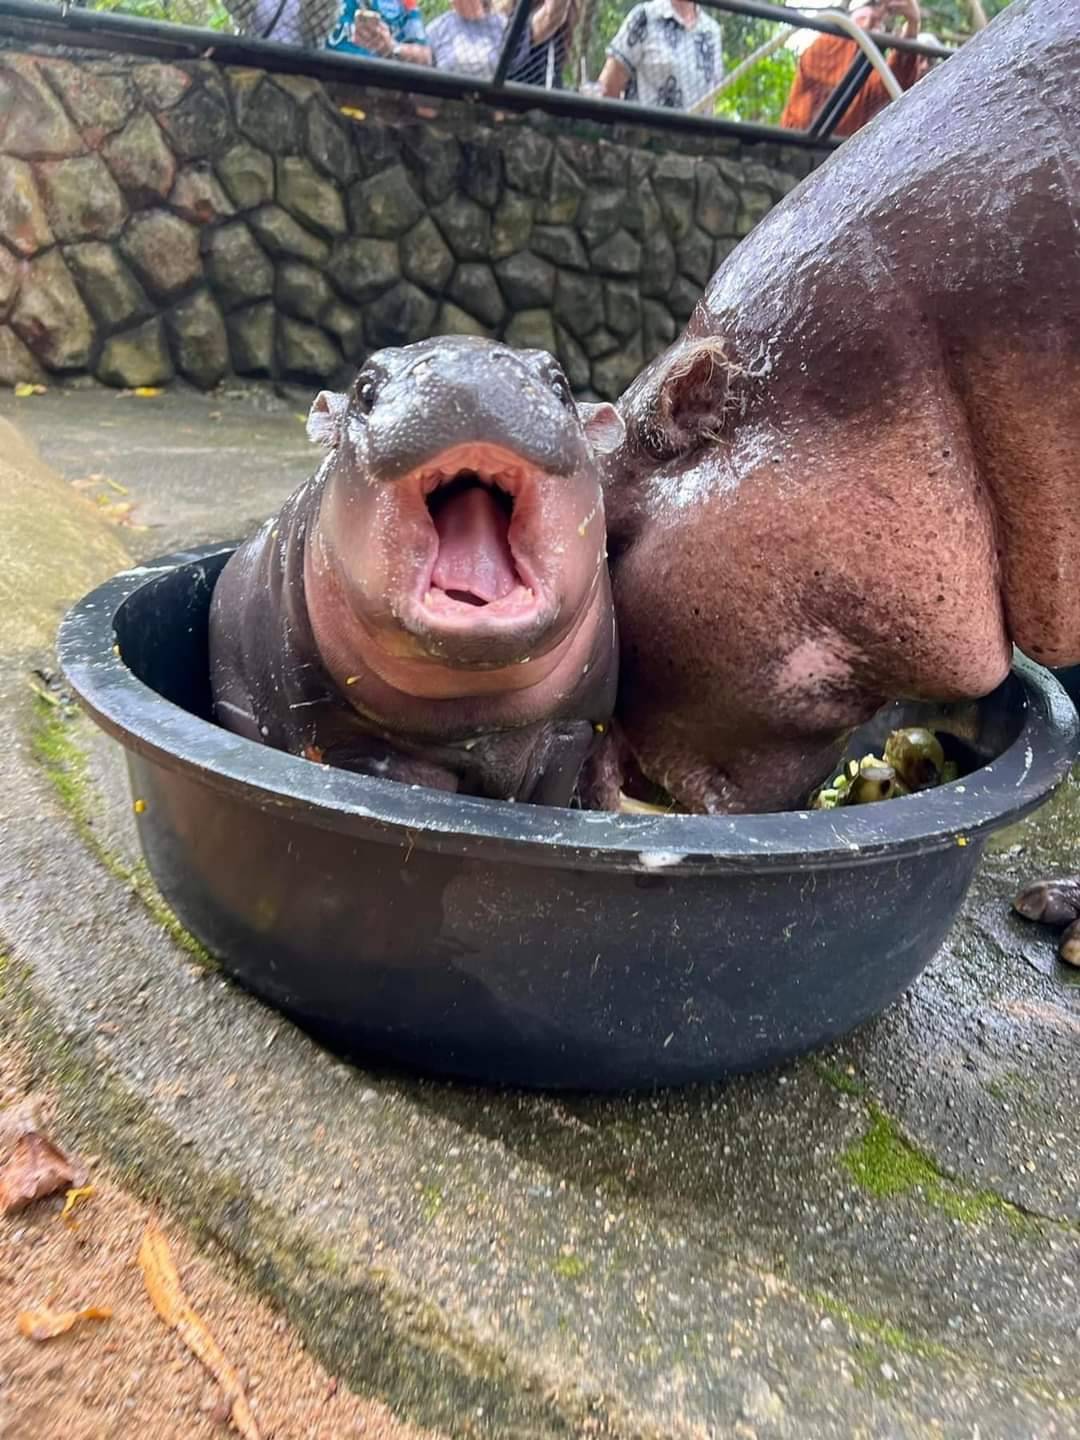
432, 9
951, 20
761, 94
206, 14
601, 20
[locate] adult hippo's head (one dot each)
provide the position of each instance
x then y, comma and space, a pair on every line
460, 538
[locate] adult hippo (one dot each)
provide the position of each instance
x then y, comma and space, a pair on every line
433, 605
856, 476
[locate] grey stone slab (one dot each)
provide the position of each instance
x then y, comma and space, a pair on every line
199, 468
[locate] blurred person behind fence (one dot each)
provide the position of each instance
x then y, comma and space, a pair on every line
666, 52
289, 22
387, 29
542, 52
393, 29
823, 65
468, 38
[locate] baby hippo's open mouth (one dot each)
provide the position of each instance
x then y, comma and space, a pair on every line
477, 504
474, 564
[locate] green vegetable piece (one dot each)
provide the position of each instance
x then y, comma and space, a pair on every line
827, 798
916, 756
875, 782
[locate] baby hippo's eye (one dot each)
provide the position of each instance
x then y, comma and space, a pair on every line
561, 390
365, 393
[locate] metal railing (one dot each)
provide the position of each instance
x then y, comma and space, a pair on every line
508, 87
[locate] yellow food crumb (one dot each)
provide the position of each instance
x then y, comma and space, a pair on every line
139, 807
599, 729
961, 840
74, 1198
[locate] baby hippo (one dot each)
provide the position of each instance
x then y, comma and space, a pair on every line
433, 606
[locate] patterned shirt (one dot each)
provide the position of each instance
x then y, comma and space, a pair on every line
669, 64
401, 17
467, 47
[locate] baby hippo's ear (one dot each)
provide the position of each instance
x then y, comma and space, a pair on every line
326, 417
604, 428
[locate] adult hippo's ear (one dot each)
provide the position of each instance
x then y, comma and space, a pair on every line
326, 418
604, 428
684, 400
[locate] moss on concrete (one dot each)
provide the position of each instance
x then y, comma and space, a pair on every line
897, 1339
570, 1267
886, 1164
837, 1079
65, 764
431, 1202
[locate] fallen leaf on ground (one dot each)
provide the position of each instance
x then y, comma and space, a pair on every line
74, 1198
163, 1283
34, 1169
46, 1324
24, 388
89, 482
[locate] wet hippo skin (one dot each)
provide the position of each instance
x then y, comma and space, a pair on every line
854, 478
433, 605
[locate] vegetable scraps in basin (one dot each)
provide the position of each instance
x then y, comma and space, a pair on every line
913, 760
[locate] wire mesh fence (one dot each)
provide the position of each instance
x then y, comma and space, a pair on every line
671, 54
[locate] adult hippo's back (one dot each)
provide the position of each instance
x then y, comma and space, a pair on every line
856, 476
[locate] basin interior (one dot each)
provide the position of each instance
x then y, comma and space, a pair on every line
162, 631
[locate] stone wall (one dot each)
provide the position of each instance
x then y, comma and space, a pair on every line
190, 220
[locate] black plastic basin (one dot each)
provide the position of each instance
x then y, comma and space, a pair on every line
532, 945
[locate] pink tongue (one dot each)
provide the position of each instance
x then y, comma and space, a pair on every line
474, 555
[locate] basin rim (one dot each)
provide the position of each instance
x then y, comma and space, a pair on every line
964, 812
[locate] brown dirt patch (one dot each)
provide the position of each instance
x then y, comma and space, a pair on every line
131, 1376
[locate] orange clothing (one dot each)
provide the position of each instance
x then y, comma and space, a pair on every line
822, 67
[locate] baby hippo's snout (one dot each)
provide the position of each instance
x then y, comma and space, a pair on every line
435, 396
